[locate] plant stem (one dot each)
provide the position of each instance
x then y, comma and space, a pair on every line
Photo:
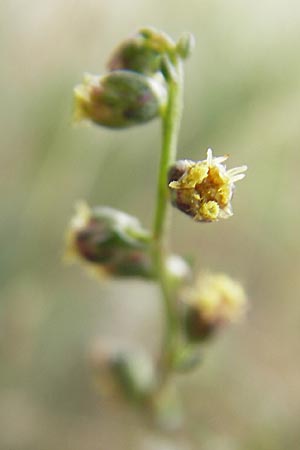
170, 130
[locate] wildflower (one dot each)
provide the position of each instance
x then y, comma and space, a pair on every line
204, 189
215, 300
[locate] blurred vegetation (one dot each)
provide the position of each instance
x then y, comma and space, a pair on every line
242, 97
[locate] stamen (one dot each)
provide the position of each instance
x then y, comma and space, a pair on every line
220, 159
236, 170
209, 157
237, 177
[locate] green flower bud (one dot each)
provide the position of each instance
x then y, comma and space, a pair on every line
120, 99
136, 375
109, 241
114, 243
185, 45
142, 52
124, 373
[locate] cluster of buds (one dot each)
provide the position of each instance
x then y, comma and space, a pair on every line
142, 84
134, 91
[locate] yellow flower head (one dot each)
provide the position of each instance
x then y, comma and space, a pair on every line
204, 189
218, 297
214, 300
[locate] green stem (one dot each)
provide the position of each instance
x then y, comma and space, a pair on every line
170, 130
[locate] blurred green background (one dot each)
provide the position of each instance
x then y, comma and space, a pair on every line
242, 97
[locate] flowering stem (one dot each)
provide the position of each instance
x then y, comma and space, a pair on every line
170, 129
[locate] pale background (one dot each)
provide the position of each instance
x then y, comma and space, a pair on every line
242, 97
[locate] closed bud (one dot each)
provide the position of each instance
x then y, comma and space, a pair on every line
109, 241
120, 99
136, 375
213, 302
142, 52
124, 373
178, 270
185, 45
204, 189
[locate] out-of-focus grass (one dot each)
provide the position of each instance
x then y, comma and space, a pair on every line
242, 97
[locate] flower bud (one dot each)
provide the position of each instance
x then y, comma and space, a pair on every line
127, 373
178, 270
110, 240
120, 99
185, 45
141, 52
136, 375
214, 301
204, 189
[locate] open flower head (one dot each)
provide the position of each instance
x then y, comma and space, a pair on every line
204, 189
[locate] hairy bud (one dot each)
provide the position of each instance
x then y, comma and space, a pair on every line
119, 99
